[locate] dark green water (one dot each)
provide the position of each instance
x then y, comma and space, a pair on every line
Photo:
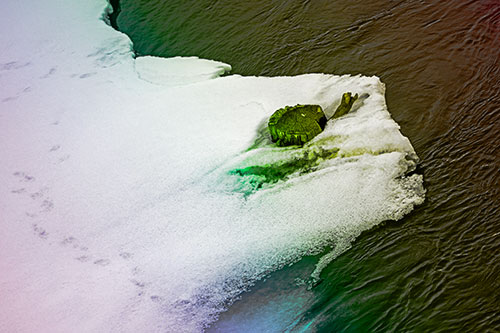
439, 268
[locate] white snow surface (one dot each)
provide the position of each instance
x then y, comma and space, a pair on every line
178, 71
118, 208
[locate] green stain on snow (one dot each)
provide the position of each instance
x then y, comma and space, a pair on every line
258, 175
255, 177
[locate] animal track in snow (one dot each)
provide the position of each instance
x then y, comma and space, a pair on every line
13, 65
86, 75
50, 73
54, 148
39, 231
18, 191
102, 262
64, 158
10, 98
47, 205
24, 177
125, 255
138, 283
83, 258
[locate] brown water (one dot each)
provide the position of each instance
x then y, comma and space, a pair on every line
439, 268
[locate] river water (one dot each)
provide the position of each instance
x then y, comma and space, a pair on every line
436, 270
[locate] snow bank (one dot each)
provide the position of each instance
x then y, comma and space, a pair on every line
121, 206
178, 71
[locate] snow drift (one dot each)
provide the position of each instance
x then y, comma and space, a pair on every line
120, 209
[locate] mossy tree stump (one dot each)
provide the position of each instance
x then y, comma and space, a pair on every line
296, 125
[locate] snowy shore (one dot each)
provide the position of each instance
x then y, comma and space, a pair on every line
118, 210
